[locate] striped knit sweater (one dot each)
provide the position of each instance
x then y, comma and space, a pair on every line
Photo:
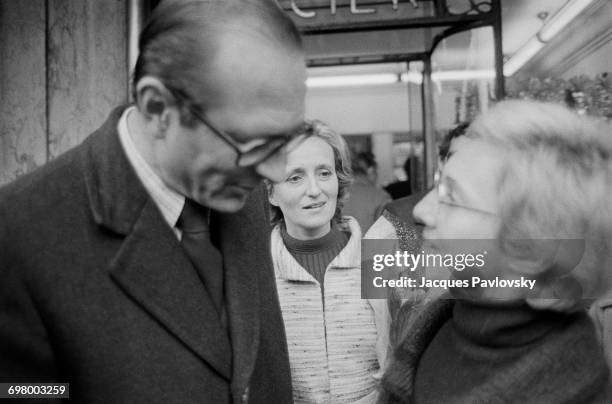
332, 345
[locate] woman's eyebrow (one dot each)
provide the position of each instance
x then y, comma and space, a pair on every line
294, 170
297, 168
328, 166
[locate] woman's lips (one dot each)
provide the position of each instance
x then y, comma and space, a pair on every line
314, 205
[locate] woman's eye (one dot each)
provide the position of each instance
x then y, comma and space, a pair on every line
449, 199
293, 179
325, 174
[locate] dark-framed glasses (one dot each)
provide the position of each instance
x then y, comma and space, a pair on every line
257, 150
443, 194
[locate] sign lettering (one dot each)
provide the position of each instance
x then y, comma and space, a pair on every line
353, 8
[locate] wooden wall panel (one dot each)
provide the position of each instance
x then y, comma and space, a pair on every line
87, 67
22, 87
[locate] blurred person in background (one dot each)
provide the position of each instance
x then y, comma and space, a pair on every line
366, 200
337, 345
401, 188
398, 223
530, 184
397, 220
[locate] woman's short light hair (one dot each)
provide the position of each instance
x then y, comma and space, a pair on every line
556, 181
342, 160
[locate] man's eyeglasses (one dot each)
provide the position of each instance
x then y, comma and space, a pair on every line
443, 195
258, 150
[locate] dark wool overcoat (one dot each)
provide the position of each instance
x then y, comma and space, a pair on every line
96, 291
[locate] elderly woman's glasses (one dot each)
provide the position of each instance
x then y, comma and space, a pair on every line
444, 195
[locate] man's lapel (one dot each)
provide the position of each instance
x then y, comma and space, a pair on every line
150, 266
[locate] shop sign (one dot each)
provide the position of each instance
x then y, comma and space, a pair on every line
354, 8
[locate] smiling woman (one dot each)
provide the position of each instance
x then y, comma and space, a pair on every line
316, 254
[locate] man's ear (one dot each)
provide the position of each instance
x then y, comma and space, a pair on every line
152, 99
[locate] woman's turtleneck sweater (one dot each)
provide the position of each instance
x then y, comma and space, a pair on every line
332, 335
315, 255
480, 340
460, 351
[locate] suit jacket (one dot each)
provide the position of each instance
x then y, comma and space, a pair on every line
96, 291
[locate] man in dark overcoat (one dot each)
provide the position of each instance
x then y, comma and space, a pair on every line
136, 266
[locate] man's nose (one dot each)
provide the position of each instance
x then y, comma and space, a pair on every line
426, 211
273, 167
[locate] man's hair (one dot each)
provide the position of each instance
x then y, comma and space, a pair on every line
180, 41
342, 163
556, 181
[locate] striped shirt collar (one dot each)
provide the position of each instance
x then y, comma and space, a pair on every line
169, 202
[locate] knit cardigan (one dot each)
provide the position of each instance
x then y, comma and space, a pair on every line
336, 351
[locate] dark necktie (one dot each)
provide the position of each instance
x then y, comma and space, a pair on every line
204, 256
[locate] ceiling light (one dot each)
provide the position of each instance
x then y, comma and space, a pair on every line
521, 56
563, 17
391, 78
552, 27
352, 80
460, 75
412, 77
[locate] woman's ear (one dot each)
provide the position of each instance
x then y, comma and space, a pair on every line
270, 192
272, 196
557, 287
531, 267
563, 294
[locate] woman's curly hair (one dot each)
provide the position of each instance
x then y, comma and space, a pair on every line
342, 160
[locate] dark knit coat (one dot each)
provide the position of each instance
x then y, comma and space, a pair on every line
96, 291
566, 366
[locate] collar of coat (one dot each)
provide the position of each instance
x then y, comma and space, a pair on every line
151, 267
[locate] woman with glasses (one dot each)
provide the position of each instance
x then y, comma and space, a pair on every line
529, 188
332, 333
